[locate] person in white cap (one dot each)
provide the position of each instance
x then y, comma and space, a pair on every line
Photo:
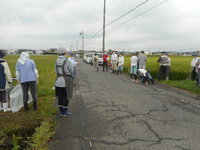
5, 79
27, 76
64, 81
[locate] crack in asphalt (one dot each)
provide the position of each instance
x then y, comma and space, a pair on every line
182, 148
159, 138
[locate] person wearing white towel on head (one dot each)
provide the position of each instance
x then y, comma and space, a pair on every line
27, 75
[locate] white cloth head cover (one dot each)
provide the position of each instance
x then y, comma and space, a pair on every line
62, 50
23, 57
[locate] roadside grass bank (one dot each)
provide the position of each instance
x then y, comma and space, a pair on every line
187, 85
31, 130
179, 71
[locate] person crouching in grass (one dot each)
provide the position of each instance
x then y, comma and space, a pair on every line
145, 76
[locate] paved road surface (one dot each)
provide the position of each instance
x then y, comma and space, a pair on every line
112, 113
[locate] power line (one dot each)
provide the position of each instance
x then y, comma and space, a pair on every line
127, 12
115, 20
89, 12
155, 6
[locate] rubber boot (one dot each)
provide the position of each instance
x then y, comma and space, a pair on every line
166, 78
66, 112
5, 107
1, 107
60, 110
34, 106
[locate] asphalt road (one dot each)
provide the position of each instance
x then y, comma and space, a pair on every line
110, 112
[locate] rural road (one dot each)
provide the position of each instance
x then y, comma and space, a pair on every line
112, 113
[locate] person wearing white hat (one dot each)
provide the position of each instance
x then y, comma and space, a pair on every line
64, 81
27, 76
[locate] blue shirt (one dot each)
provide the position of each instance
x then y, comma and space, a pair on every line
26, 71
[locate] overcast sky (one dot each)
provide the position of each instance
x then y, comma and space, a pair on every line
43, 24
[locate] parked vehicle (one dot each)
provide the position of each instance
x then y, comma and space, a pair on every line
87, 58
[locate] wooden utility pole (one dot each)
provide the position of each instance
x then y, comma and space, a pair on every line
82, 33
104, 21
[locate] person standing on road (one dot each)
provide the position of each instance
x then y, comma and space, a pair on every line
74, 63
64, 81
120, 64
197, 72
105, 61
194, 61
114, 59
5, 79
142, 58
27, 75
96, 63
134, 62
164, 69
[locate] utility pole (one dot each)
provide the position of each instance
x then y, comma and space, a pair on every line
82, 33
77, 45
104, 21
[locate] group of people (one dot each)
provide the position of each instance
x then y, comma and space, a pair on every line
137, 66
27, 75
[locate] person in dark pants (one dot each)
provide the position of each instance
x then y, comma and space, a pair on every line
64, 81
105, 61
164, 69
27, 75
145, 76
5, 79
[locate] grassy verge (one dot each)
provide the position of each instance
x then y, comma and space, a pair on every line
22, 130
187, 85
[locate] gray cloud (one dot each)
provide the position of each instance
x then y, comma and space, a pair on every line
54, 23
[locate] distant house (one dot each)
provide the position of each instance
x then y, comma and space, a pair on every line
19, 51
38, 52
53, 50
4, 51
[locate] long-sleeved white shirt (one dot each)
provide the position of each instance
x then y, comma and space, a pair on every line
114, 57
121, 61
194, 61
134, 61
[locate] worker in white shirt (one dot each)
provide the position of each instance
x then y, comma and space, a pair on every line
120, 64
194, 61
134, 65
114, 59
145, 76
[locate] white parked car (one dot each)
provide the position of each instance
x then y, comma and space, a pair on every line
88, 58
